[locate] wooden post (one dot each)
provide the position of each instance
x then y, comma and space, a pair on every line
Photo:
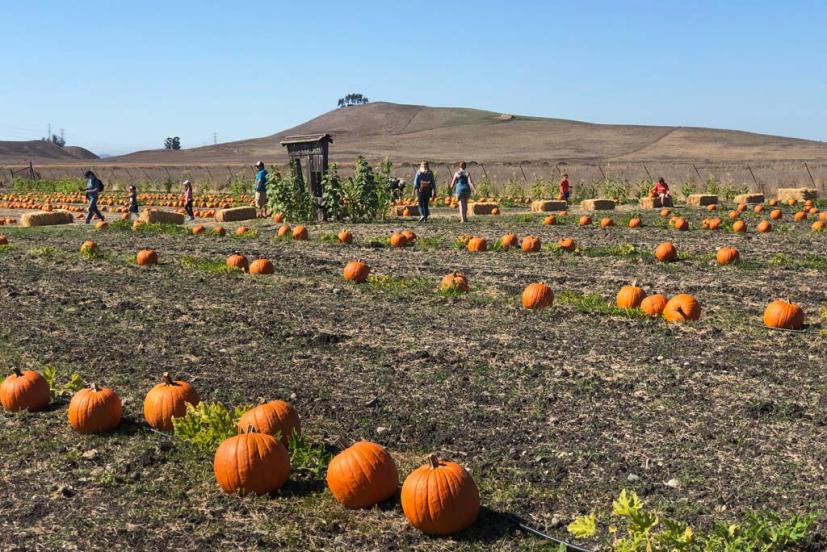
698, 173
810, 174
522, 171
752, 174
645, 168
481, 165
605, 178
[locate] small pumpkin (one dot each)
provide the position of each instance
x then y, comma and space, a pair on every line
763, 227
409, 235
665, 212
273, 418
800, 216
168, 400
241, 230
530, 244
782, 314
4, 240
606, 222
508, 241
630, 297
550, 219
537, 296
440, 498
681, 224
262, 266
634, 222
24, 391
776, 214
356, 271
238, 261
284, 231
278, 218
566, 244
398, 239
219, 231
197, 230
495, 211
758, 208
101, 225
345, 236
136, 226
741, 207
739, 227
666, 252
734, 215
406, 212
727, 255
817, 226
772, 202
251, 462
585, 220
477, 244
791, 202
822, 216
88, 247
455, 281
712, 207
362, 475
300, 232
682, 308
95, 410
653, 305
146, 257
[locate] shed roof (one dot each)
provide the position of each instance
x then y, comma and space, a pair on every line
306, 138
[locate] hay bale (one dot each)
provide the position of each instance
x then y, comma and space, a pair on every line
546, 205
482, 207
798, 194
597, 204
154, 216
701, 200
44, 218
654, 203
236, 213
749, 198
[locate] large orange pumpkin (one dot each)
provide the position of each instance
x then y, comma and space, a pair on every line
273, 418
758, 208
278, 218
727, 255
454, 281
585, 220
653, 305
356, 271
197, 229
24, 391
300, 233
345, 236
262, 266
682, 308
681, 224
776, 214
409, 235
101, 225
566, 244
88, 247
606, 222
817, 226
800, 216
666, 253
238, 261
781, 314
508, 241
168, 400
477, 244
284, 231
530, 244
739, 227
251, 463
763, 227
537, 296
95, 410
398, 239
362, 475
440, 498
146, 257
550, 219
629, 297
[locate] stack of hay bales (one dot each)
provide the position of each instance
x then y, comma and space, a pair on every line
702, 200
749, 198
597, 204
235, 214
654, 202
547, 205
154, 216
798, 194
399, 210
482, 207
44, 218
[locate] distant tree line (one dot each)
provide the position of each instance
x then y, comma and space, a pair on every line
173, 143
352, 99
56, 140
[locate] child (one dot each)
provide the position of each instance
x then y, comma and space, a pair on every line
463, 186
661, 191
564, 187
133, 201
186, 196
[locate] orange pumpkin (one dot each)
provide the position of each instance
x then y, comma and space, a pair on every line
477, 244
88, 247
241, 230
800, 216
398, 239
168, 400
238, 261
278, 218
95, 410
630, 297
606, 222
727, 255
454, 281
284, 231
566, 244
758, 208
665, 212
24, 391
781, 314
712, 207
530, 244
763, 227
817, 226
550, 219
634, 222
101, 225
653, 305
251, 463
585, 220
666, 253
508, 241
219, 231
440, 498
356, 271
300, 232
681, 224
262, 266
734, 215
776, 214
537, 296
495, 211
739, 227
4, 240
409, 235
276, 418
197, 230
146, 257
682, 308
345, 236
772, 202
362, 475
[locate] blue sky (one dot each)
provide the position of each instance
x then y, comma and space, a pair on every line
120, 76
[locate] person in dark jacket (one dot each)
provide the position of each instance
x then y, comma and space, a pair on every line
93, 189
425, 187
132, 195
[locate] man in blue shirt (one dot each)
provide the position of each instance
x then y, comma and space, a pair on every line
93, 189
260, 189
425, 187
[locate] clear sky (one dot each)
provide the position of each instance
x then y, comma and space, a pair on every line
123, 75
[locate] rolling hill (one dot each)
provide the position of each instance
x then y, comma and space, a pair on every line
41, 152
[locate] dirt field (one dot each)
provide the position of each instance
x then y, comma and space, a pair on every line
553, 412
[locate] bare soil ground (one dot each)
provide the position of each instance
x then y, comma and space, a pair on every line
553, 412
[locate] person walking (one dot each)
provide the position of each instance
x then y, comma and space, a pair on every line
186, 196
564, 187
94, 187
425, 187
133, 201
260, 189
462, 186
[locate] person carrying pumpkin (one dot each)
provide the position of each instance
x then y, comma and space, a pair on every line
425, 188
186, 196
93, 189
132, 196
661, 191
564, 187
462, 185
260, 189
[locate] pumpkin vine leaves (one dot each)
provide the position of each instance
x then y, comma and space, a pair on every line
60, 390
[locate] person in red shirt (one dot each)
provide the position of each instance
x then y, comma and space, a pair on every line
661, 191
564, 187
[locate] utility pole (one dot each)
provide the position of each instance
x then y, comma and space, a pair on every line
49, 133
214, 138
62, 140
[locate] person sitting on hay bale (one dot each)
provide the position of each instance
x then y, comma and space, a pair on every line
564, 188
661, 191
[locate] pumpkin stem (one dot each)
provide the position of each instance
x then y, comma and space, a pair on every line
93, 386
433, 460
250, 428
17, 371
167, 379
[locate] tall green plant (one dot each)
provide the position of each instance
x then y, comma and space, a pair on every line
332, 195
289, 196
